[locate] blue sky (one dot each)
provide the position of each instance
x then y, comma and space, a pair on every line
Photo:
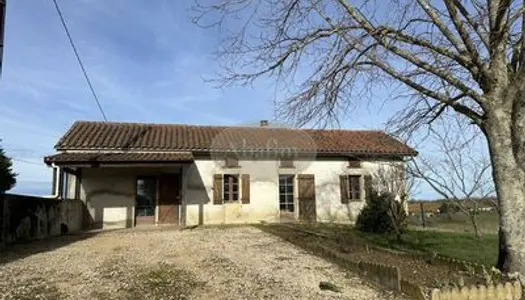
147, 62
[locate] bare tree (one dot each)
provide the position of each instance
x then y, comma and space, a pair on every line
392, 178
462, 56
454, 169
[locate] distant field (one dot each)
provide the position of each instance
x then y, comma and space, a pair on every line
457, 222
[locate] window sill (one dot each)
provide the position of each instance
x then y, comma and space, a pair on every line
231, 202
232, 167
286, 167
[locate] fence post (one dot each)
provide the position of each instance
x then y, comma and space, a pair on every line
422, 214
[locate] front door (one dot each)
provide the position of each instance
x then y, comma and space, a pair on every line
307, 210
145, 198
169, 199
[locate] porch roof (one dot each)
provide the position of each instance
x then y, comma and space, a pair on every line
118, 157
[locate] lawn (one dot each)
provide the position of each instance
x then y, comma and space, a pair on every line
417, 268
458, 222
459, 245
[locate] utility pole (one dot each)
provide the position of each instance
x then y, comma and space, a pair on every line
2, 29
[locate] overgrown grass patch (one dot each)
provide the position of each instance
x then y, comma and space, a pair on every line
159, 281
357, 246
459, 245
462, 246
457, 222
163, 281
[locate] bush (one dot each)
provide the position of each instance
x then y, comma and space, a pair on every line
382, 214
7, 176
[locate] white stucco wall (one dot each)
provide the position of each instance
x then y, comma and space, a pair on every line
109, 193
198, 193
264, 194
109, 197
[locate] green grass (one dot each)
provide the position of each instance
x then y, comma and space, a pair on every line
463, 246
459, 245
458, 222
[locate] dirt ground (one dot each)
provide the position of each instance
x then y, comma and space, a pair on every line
203, 263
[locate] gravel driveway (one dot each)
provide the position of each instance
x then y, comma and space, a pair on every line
161, 263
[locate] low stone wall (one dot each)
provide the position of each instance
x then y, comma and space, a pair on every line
26, 218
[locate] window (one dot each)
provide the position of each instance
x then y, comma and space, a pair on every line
287, 163
230, 187
231, 162
354, 163
354, 187
350, 188
286, 187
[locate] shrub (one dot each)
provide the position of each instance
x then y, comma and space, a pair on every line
7, 176
374, 217
382, 214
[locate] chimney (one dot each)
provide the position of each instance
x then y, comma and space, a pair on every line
264, 123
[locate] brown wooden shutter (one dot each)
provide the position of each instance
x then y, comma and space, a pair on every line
245, 188
343, 182
217, 189
368, 185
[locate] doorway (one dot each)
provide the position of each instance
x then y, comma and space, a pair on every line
145, 199
307, 210
169, 199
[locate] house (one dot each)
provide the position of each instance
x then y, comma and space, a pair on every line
130, 174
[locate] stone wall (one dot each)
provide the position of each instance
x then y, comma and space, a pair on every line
26, 218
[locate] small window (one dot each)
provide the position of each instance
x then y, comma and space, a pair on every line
287, 163
354, 187
231, 162
354, 163
230, 187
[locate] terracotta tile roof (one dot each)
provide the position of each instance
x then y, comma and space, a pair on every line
121, 157
85, 135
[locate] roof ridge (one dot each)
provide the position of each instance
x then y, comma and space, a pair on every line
99, 135
222, 126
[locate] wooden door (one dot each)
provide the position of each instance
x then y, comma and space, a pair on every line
307, 210
169, 199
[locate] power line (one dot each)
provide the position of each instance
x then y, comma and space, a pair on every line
79, 60
27, 161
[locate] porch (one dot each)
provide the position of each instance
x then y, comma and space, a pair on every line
124, 189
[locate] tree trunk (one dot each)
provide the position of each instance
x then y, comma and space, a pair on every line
475, 224
505, 147
503, 252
